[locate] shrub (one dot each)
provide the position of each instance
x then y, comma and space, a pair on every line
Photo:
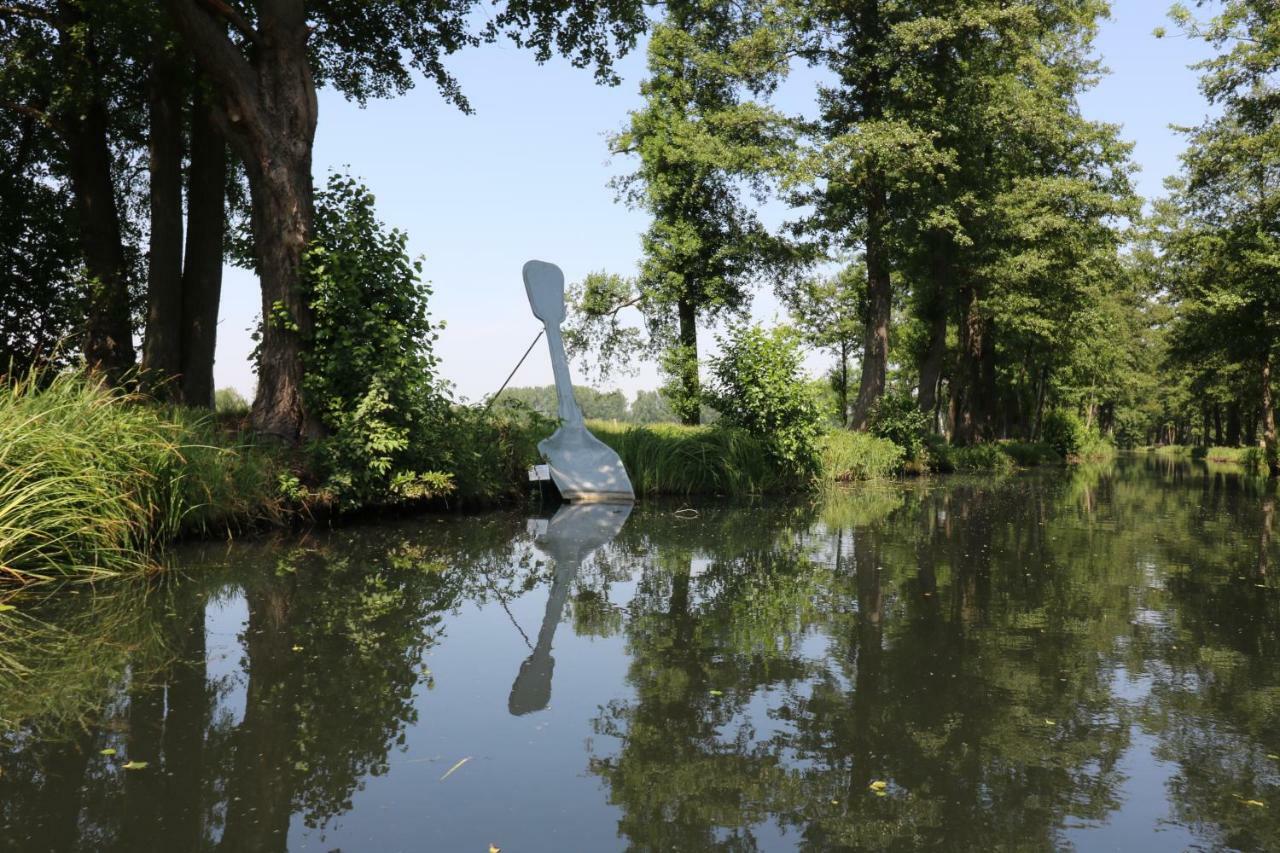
1030, 453
897, 417
370, 369
229, 401
1063, 432
758, 386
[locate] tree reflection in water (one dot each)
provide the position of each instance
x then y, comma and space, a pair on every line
990, 651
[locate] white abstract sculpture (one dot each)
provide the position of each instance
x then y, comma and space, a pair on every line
583, 467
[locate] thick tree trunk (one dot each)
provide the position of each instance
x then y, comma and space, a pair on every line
875, 352
202, 274
686, 365
1217, 425
1233, 424
1269, 449
976, 372
162, 341
108, 334
267, 109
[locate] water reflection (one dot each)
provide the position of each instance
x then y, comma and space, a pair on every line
1087, 658
573, 534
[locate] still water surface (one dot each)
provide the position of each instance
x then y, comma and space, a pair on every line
1086, 659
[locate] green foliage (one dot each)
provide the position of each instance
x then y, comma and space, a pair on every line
973, 457
371, 372
897, 417
758, 385
1028, 454
600, 405
229, 401
1063, 431
849, 456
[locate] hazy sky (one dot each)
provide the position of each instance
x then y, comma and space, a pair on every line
526, 176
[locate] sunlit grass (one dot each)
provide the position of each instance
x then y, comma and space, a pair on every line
93, 480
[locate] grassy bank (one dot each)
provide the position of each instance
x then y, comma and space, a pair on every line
94, 481
1249, 458
91, 481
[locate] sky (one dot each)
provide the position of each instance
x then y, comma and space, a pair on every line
527, 176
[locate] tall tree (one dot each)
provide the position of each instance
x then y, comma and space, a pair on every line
265, 62
1222, 232
700, 139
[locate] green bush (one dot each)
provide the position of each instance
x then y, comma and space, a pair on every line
848, 456
979, 457
1028, 454
897, 417
229, 401
1064, 432
758, 385
370, 370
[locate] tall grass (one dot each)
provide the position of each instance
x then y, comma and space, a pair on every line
92, 480
669, 459
849, 456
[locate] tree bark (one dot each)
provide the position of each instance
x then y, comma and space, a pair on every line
202, 273
108, 334
162, 341
690, 408
1233, 424
1269, 449
875, 353
267, 110
975, 374
935, 355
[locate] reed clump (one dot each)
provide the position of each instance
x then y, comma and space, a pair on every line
93, 480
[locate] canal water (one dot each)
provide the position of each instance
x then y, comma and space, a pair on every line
1083, 659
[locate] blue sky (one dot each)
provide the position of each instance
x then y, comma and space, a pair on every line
527, 176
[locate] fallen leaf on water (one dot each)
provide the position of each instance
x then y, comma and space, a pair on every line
878, 786
107, 751
1255, 803
135, 765
1273, 756
493, 848
448, 772
717, 692
1049, 722
297, 648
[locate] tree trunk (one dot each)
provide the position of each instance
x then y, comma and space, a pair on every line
202, 274
1218, 437
1269, 449
875, 353
162, 342
934, 358
267, 110
689, 408
1233, 424
976, 373
108, 334
843, 393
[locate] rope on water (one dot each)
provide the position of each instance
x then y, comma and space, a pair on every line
494, 398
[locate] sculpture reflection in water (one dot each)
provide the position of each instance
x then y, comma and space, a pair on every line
570, 537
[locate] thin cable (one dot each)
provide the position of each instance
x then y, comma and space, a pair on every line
494, 398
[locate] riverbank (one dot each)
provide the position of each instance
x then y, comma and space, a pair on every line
95, 481
1249, 458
